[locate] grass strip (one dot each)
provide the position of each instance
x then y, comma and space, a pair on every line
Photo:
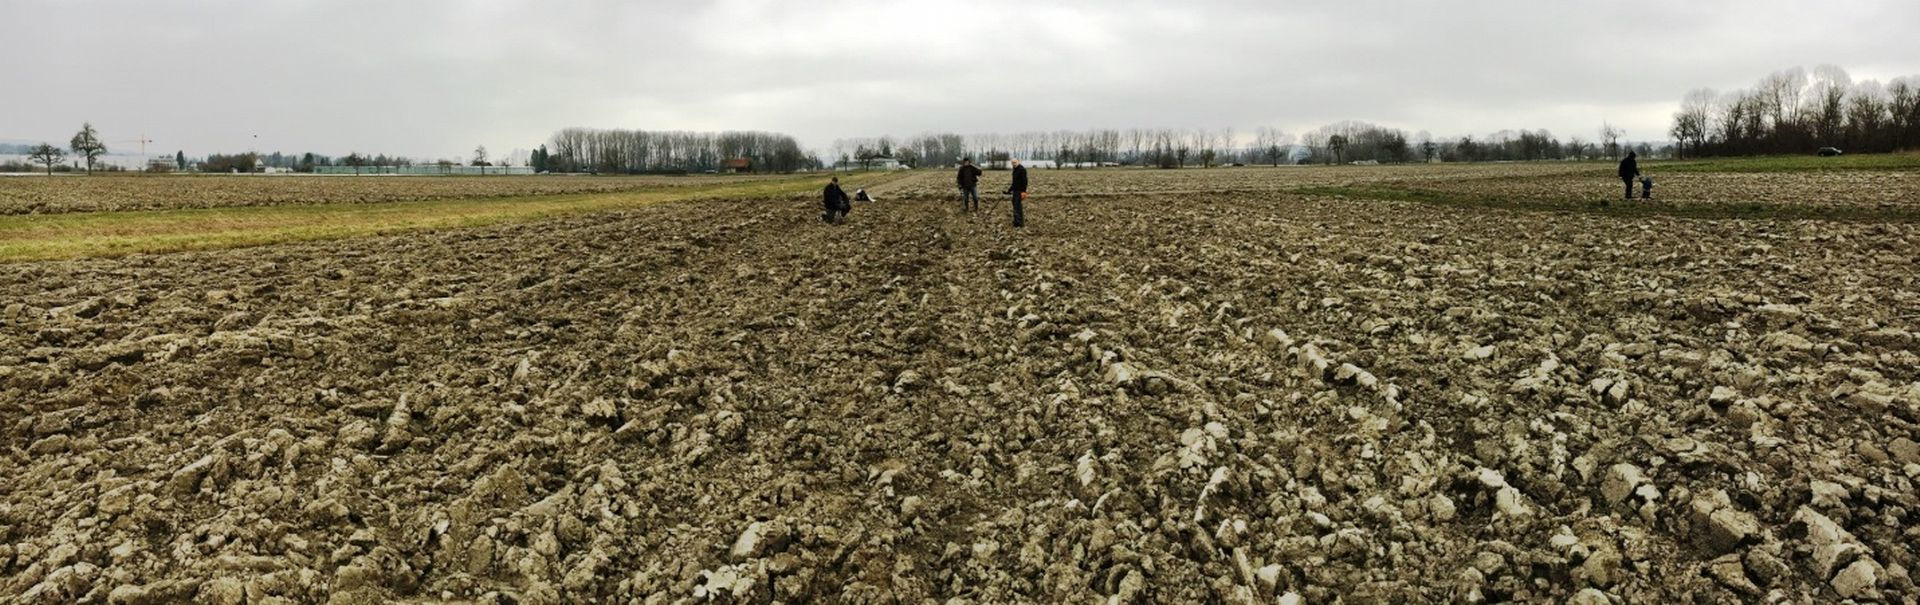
112, 234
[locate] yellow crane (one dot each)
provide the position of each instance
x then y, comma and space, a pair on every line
142, 141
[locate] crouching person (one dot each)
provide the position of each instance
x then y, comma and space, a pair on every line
835, 201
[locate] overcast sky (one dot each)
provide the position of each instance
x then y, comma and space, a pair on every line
433, 79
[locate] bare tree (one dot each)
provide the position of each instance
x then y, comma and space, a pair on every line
1826, 103
1424, 141
1226, 144
480, 155
47, 155
1903, 112
1610, 138
1691, 122
1177, 145
87, 144
1867, 115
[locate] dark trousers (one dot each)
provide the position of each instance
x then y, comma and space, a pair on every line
970, 198
1019, 212
1629, 181
836, 212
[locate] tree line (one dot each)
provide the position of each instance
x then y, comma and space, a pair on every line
645, 151
1797, 111
1340, 142
1091, 147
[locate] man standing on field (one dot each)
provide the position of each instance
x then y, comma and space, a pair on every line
969, 181
1019, 192
1629, 168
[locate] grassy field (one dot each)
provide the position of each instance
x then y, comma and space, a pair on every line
108, 234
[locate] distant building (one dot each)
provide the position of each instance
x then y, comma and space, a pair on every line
739, 165
873, 164
1033, 164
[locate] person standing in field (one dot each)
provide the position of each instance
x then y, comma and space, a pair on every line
1629, 168
969, 181
1019, 192
836, 202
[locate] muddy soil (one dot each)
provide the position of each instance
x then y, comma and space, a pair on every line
1135, 399
1870, 189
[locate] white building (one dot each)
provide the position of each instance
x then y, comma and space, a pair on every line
873, 164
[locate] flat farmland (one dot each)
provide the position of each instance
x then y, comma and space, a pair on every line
1343, 384
62, 194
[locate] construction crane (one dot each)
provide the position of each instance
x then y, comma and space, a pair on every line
142, 141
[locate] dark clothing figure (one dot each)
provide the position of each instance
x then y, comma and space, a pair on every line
1646, 187
969, 181
836, 202
1019, 192
1629, 168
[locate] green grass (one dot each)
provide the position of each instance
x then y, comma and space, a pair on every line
110, 234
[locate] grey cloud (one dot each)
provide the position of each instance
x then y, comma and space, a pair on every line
432, 79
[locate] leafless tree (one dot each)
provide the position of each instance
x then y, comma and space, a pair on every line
1826, 103
1610, 138
1690, 124
87, 145
47, 155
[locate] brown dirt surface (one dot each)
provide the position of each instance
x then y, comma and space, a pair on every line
1084, 182
1853, 189
48, 195
1138, 398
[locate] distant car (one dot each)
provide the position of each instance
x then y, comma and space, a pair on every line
1829, 151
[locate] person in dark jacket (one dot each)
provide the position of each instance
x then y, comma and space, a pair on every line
969, 181
1629, 168
1019, 192
836, 202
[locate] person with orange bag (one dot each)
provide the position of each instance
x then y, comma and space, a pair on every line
1019, 192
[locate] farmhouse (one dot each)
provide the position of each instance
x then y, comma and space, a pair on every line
738, 166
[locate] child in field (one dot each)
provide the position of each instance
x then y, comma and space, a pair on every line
1646, 187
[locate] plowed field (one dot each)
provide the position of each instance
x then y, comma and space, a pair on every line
1145, 396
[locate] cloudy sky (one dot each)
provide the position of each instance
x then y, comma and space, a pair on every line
433, 79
